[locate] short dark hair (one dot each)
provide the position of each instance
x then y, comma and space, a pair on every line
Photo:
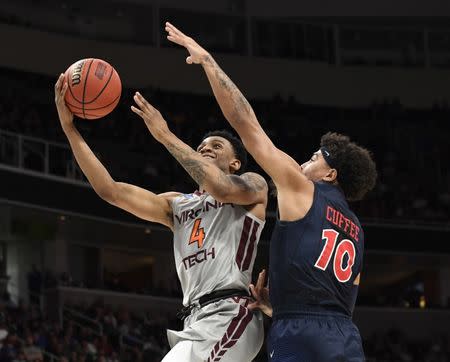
236, 143
356, 169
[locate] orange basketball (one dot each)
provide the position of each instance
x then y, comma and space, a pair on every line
94, 88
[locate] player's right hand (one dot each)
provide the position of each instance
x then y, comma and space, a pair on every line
65, 115
261, 295
197, 54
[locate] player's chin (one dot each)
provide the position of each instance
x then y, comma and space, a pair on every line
210, 159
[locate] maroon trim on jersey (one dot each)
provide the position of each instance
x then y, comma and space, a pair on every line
243, 242
251, 247
232, 335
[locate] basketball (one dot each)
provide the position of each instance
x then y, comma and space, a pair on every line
94, 88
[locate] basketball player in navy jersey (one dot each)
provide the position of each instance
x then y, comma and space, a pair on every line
317, 245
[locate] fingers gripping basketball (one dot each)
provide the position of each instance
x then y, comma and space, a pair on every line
94, 88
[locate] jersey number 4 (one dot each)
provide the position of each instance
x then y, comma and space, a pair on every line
344, 247
197, 233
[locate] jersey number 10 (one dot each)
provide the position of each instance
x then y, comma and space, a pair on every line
344, 247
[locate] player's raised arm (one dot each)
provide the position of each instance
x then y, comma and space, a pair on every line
138, 201
247, 189
284, 171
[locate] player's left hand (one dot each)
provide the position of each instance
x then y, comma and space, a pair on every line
261, 295
64, 113
197, 54
154, 121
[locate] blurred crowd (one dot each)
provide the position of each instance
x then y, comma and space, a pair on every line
29, 334
409, 146
395, 346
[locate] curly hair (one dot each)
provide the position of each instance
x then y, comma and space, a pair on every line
238, 147
356, 169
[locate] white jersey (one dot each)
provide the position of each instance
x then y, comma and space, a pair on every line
214, 244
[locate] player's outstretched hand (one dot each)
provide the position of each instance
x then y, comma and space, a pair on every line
197, 54
261, 295
65, 115
154, 121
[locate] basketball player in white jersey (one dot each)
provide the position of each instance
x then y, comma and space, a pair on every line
216, 232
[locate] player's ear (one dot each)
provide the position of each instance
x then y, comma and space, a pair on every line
330, 176
235, 165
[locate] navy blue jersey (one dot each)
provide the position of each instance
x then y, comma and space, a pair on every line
314, 261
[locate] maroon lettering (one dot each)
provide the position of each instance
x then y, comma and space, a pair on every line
357, 233
192, 214
191, 260
212, 253
208, 204
185, 215
347, 224
335, 220
198, 255
352, 231
329, 213
342, 222
198, 258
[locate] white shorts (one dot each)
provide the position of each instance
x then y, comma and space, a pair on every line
223, 331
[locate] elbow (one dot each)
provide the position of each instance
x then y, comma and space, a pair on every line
242, 118
106, 193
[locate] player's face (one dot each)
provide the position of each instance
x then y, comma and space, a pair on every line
219, 151
316, 168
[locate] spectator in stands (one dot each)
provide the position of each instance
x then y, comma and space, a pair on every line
392, 130
109, 320
31, 351
11, 347
34, 284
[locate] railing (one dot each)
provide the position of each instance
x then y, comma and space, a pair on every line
80, 319
36, 155
134, 302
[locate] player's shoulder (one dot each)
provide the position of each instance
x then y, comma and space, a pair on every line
170, 195
182, 198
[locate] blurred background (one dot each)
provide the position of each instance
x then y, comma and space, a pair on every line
83, 281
